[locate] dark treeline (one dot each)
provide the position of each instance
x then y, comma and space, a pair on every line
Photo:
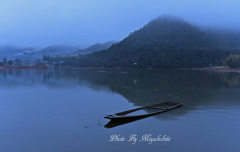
165, 42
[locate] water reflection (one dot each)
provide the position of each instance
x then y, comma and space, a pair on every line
195, 89
58, 110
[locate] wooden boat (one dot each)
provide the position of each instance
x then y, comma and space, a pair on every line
151, 109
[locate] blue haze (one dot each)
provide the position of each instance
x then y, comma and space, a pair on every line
82, 23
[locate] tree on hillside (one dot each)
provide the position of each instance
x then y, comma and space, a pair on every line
233, 61
10, 62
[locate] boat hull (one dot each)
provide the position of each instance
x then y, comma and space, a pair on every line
123, 115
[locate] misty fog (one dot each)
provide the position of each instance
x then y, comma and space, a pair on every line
82, 23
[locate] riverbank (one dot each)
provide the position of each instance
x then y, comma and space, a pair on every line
218, 68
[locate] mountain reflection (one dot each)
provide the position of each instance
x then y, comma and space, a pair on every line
140, 87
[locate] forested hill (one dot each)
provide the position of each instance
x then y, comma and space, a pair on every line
165, 42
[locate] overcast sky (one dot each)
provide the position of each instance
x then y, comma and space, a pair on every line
40, 23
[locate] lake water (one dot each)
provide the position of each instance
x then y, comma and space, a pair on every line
62, 110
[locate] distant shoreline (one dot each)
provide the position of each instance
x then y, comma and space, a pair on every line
23, 67
221, 69
218, 69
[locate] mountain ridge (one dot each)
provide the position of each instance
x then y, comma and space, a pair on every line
162, 43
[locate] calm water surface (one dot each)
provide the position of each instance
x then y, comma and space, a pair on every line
61, 110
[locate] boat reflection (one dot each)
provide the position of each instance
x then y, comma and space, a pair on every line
130, 115
117, 122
